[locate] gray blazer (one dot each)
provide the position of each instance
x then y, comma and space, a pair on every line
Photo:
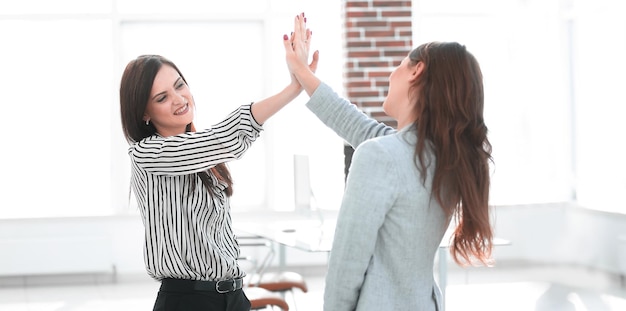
389, 226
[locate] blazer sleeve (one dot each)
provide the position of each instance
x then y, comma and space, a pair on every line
345, 118
369, 195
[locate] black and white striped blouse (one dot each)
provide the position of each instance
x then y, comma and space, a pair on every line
188, 232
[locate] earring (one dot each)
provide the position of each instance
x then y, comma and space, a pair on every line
148, 122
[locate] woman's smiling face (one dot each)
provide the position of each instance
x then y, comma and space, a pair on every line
170, 106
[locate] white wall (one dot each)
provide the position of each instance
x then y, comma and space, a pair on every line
561, 234
550, 233
42, 247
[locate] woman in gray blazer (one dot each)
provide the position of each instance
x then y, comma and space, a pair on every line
405, 185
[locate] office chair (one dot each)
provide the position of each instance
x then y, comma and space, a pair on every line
261, 299
276, 282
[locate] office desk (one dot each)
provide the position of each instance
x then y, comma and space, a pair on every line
298, 230
313, 232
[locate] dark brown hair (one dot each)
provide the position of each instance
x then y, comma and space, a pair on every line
135, 89
449, 107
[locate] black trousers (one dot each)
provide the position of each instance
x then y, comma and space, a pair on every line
185, 299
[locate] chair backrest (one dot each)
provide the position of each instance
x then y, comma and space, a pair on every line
261, 298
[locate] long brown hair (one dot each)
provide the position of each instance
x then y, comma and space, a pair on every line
135, 89
449, 107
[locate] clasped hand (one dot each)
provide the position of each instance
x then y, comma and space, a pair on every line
297, 49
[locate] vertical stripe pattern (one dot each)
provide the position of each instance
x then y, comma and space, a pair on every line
188, 232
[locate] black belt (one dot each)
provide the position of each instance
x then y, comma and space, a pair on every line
221, 287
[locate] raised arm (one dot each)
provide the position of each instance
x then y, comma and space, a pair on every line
337, 113
264, 109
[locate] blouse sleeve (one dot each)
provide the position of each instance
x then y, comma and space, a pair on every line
198, 151
344, 118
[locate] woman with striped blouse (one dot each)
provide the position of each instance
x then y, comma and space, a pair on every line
182, 184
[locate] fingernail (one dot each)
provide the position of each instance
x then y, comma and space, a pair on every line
285, 37
305, 19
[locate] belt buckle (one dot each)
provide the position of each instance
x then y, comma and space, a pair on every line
221, 291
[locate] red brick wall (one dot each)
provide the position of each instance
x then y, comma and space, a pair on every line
378, 36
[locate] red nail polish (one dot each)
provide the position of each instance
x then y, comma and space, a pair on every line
305, 19
285, 37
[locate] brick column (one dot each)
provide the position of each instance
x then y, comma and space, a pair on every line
378, 36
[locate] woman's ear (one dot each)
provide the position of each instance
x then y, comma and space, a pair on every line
416, 71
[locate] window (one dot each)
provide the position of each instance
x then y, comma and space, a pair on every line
553, 93
598, 46
56, 123
553, 77
526, 104
65, 154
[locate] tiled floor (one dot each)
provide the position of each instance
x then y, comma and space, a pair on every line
509, 288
